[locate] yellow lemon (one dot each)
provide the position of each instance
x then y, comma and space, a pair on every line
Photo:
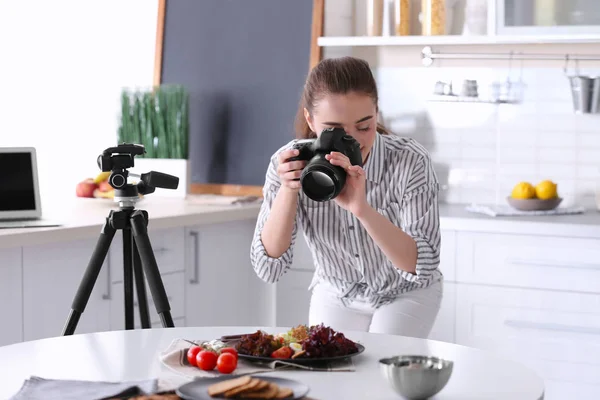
546, 190
523, 190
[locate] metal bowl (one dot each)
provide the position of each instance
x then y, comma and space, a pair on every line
534, 204
416, 377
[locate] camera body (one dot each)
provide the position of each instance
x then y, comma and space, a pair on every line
321, 180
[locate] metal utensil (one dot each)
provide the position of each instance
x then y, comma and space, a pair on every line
416, 377
581, 91
595, 106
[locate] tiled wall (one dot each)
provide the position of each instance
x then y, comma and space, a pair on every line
482, 150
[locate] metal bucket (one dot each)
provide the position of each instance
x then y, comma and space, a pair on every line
595, 106
581, 91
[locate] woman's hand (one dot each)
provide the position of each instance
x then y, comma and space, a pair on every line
289, 171
353, 196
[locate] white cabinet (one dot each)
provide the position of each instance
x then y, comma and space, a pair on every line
221, 287
555, 333
293, 298
445, 323
546, 17
292, 295
168, 246
51, 276
11, 296
169, 249
173, 282
557, 263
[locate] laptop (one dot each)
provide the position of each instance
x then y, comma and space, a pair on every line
20, 205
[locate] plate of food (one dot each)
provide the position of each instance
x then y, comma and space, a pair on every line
243, 387
300, 345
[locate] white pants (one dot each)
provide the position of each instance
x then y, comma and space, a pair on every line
411, 314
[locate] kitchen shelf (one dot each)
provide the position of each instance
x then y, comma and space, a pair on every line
465, 99
351, 41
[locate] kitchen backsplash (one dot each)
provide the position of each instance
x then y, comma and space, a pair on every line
482, 150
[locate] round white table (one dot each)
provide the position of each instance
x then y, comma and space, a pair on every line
134, 355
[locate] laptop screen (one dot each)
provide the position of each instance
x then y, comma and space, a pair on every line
17, 182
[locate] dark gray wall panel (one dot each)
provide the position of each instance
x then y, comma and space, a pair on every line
244, 63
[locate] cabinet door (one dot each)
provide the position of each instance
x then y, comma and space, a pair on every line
445, 323
557, 334
293, 298
174, 286
168, 247
11, 296
51, 276
546, 17
222, 288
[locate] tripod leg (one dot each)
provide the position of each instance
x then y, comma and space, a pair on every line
128, 278
140, 288
90, 276
139, 222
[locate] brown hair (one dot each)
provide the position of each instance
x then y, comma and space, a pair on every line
335, 76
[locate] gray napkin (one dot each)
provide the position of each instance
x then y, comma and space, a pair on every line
49, 389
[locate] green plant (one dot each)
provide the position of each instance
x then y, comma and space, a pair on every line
157, 119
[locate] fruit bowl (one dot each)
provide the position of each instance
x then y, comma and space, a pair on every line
534, 204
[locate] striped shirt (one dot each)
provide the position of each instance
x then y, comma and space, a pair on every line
401, 184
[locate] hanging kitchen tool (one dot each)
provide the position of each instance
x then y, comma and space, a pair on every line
595, 107
582, 89
509, 91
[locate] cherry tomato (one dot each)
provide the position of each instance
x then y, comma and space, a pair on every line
230, 350
206, 360
283, 352
192, 353
227, 363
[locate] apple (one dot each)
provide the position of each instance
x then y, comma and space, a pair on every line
86, 188
104, 186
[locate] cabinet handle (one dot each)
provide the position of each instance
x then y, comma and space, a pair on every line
107, 295
196, 268
542, 263
551, 327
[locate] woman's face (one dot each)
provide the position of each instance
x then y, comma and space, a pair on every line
353, 112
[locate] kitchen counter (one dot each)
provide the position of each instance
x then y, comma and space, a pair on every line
585, 225
83, 218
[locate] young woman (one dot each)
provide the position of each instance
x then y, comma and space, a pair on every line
376, 246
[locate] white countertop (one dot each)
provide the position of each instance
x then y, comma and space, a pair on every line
82, 218
134, 355
586, 225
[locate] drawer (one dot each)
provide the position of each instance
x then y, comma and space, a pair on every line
448, 255
174, 286
168, 246
555, 333
293, 298
529, 261
302, 256
445, 323
561, 390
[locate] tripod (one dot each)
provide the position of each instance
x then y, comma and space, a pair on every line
138, 257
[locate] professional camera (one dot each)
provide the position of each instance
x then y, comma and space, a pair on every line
118, 159
321, 180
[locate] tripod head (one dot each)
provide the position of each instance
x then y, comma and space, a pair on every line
117, 160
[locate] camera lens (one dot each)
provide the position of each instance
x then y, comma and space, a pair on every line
318, 185
322, 181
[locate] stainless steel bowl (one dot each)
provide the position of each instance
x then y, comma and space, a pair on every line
416, 377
